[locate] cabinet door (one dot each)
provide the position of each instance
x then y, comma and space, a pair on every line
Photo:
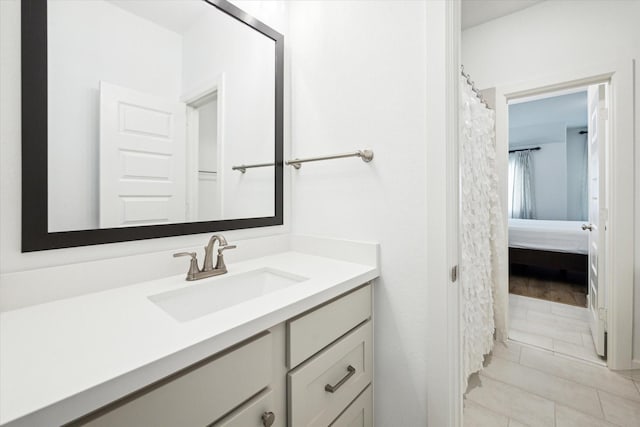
198, 397
258, 412
359, 413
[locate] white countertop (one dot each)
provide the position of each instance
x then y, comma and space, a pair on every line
63, 359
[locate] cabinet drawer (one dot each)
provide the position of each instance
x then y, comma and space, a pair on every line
250, 414
311, 332
359, 413
196, 396
346, 368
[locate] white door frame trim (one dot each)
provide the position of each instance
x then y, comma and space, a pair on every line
444, 366
203, 89
453, 28
619, 251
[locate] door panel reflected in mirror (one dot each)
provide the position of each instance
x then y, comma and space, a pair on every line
150, 106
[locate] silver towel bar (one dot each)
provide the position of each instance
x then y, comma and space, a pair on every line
365, 155
243, 168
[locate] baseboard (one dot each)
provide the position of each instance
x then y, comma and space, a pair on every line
635, 364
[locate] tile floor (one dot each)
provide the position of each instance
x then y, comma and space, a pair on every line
561, 328
549, 375
526, 386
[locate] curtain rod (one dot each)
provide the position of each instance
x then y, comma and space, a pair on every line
526, 149
473, 86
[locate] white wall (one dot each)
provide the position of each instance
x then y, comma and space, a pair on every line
552, 35
151, 64
128, 262
555, 36
247, 103
358, 81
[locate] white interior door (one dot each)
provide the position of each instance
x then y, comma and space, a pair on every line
597, 214
142, 158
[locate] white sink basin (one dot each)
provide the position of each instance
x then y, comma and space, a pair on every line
217, 293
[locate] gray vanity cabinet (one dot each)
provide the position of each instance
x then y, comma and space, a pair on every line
199, 394
313, 370
323, 384
258, 412
359, 413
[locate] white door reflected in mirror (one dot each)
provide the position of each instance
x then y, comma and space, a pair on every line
142, 158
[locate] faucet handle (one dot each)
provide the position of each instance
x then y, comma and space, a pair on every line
225, 247
220, 265
193, 266
193, 255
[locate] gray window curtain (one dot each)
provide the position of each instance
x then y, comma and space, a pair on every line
521, 196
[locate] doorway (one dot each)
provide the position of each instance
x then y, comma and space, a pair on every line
512, 58
205, 151
510, 369
616, 310
202, 123
556, 205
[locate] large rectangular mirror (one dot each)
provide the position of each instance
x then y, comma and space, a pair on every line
140, 117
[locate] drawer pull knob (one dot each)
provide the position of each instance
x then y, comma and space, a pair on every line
333, 388
268, 418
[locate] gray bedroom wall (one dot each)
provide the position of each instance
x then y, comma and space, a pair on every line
550, 181
576, 179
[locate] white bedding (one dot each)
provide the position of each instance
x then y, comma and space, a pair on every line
555, 236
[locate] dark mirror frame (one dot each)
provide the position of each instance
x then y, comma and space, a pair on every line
35, 232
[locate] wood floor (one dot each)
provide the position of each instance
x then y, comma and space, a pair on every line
550, 285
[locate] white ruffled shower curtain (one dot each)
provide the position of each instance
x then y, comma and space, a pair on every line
483, 241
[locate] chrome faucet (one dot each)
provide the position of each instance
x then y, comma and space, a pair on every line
208, 270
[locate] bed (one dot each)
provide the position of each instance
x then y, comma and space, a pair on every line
560, 245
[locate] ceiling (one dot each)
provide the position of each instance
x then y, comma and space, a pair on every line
546, 120
175, 15
476, 12
178, 15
